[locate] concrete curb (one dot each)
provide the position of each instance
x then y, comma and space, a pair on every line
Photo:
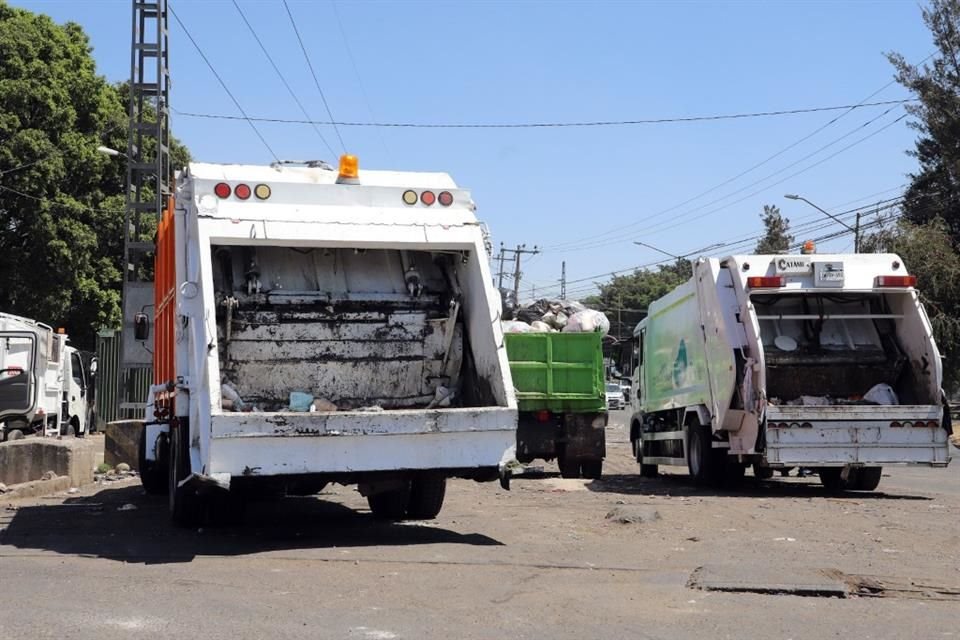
36, 488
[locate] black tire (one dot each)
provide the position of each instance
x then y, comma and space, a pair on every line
426, 496
761, 472
153, 474
832, 479
390, 505
705, 467
75, 423
226, 508
66, 430
185, 506
15, 434
868, 478
591, 469
568, 468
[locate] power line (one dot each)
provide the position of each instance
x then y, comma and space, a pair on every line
313, 73
823, 224
581, 246
862, 103
356, 73
546, 125
223, 84
333, 154
685, 218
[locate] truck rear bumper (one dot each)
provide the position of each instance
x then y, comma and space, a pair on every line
267, 444
859, 435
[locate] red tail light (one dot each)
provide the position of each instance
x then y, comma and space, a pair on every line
222, 190
445, 198
543, 416
896, 281
766, 282
895, 425
428, 198
933, 424
242, 191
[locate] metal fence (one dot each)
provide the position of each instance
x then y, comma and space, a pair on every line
121, 392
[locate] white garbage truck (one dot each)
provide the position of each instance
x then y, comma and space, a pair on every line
824, 362
44, 383
315, 325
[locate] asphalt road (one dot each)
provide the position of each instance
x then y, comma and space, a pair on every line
540, 561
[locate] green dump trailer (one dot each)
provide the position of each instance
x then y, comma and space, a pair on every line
561, 399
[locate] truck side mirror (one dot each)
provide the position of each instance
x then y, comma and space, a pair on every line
93, 366
141, 327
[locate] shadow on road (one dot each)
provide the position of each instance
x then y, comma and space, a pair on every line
681, 485
96, 526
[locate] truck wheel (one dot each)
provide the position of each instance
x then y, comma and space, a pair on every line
832, 480
153, 473
426, 496
591, 469
75, 423
761, 472
185, 507
390, 505
15, 434
868, 478
568, 468
705, 467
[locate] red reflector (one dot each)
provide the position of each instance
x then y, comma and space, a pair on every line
428, 198
933, 424
895, 425
222, 190
543, 416
765, 282
896, 281
242, 191
445, 198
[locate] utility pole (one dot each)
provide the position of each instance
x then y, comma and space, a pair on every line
856, 235
563, 280
500, 273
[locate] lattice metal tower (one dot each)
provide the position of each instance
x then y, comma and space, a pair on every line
148, 186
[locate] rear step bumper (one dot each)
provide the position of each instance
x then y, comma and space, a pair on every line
859, 435
266, 444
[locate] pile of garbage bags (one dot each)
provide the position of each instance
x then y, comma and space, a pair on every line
551, 316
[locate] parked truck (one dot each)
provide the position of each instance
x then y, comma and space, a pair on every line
558, 378
825, 362
44, 382
313, 326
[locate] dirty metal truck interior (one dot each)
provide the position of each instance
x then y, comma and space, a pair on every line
839, 345
370, 330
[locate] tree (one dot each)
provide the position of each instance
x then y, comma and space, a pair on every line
776, 239
934, 190
61, 202
929, 254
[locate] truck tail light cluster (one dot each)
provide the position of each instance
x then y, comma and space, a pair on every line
411, 197
766, 282
792, 425
242, 191
930, 424
896, 281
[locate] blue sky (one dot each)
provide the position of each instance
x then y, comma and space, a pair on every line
569, 61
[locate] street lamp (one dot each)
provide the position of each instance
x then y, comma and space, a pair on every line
107, 151
856, 230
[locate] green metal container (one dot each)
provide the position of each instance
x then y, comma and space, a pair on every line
559, 372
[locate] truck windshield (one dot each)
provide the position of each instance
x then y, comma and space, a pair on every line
613, 388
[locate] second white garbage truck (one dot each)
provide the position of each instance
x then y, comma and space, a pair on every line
315, 326
825, 362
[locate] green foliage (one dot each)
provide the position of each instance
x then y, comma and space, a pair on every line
777, 239
928, 253
935, 189
61, 202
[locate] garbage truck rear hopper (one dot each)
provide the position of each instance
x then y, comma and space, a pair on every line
316, 326
826, 362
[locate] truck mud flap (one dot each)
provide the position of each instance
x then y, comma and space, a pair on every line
585, 436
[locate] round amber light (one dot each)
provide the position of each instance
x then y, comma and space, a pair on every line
262, 191
410, 197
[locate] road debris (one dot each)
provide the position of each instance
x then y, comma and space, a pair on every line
633, 514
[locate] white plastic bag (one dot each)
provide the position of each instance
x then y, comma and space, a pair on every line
588, 321
516, 326
882, 394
